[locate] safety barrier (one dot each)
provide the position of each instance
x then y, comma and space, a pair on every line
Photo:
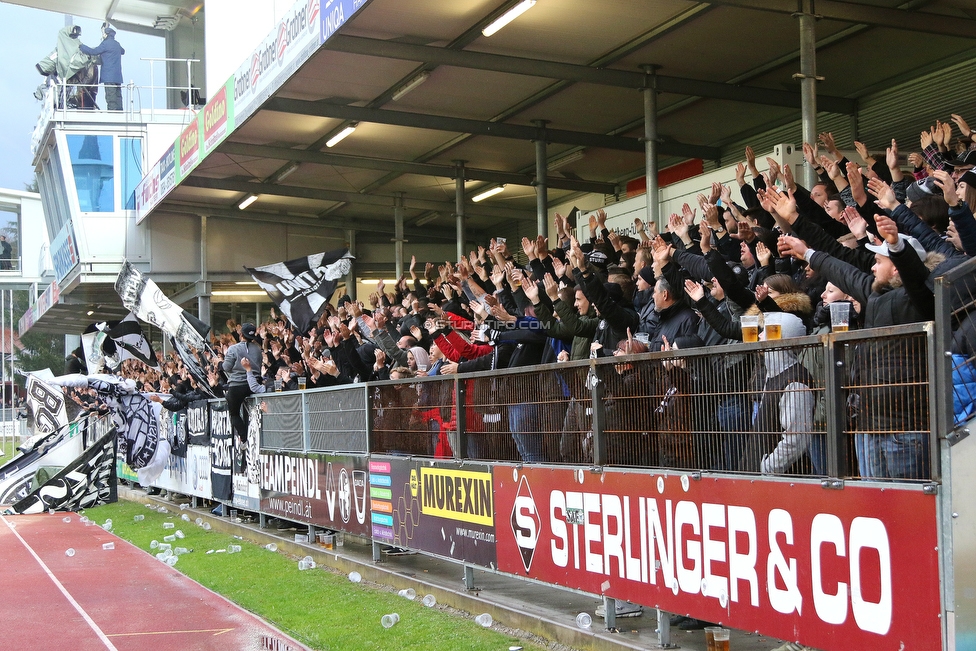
655, 478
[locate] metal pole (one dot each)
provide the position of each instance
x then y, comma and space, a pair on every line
541, 171
203, 300
398, 233
459, 207
808, 81
351, 276
653, 207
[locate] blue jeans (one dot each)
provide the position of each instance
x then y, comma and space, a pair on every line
893, 456
523, 422
733, 417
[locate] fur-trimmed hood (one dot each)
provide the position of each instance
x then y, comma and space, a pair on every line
796, 303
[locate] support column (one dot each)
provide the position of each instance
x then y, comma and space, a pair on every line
808, 81
398, 233
653, 208
351, 276
541, 177
203, 299
459, 208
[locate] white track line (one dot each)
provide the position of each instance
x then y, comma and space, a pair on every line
71, 600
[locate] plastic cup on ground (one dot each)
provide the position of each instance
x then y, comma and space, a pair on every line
171, 560
138, 518
154, 544
179, 551
840, 315
303, 565
233, 514
198, 521
69, 552
584, 620
184, 507
271, 547
339, 539
429, 600
169, 539
389, 620
169, 525
408, 593
721, 639
750, 328
710, 637
164, 546
179, 534
66, 520
484, 619
185, 517
328, 541
107, 526
108, 545
206, 526
355, 577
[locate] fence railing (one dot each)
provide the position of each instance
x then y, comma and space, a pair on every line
832, 405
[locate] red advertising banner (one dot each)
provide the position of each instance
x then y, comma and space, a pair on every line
215, 119
855, 568
432, 507
325, 490
190, 147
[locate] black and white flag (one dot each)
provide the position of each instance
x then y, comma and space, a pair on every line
148, 302
116, 341
301, 288
45, 405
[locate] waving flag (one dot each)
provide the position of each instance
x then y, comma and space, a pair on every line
301, 288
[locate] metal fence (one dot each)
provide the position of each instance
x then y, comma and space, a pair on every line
841, 406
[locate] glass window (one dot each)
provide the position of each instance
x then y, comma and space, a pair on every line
9, 241
130, 153
94, 170
57, 189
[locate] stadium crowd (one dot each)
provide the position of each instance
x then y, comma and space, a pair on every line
864, 243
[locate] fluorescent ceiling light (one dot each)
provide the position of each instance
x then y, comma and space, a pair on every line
410, 85
245, 282
251, 198
508, 17
375, 281
561, 161
490, 192
286, 172
238, 292
337, 138
90, 312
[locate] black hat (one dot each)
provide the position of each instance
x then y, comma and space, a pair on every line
647, 273
249, 332
597, 258
966, 159
615, 292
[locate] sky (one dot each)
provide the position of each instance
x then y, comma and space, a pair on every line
27, 36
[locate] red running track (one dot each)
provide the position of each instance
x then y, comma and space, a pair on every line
120, 599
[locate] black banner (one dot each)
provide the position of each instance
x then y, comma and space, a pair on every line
221, 452
198, 423
89, 481
178, 434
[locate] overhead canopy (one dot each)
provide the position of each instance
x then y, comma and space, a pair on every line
724, 73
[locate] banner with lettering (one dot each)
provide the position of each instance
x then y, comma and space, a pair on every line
831, 569
437, 508
326, 490
301, 288
221, 452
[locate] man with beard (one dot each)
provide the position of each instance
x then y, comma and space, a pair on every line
893, 374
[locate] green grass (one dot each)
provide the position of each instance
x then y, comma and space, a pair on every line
319, 608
